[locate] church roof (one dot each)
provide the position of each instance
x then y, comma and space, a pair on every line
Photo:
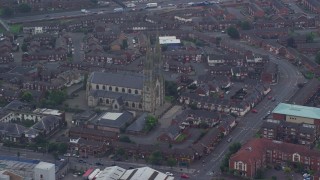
134, 81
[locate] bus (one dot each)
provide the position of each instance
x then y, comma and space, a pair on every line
87, 173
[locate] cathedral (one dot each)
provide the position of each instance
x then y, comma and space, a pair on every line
129, 91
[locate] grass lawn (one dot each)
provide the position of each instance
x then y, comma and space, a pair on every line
1, 10
16, 28
181, 137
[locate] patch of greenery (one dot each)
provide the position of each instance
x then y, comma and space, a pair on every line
309, 75
181, 137
169, 98
25, 123
235, 147
16, 28
151, 122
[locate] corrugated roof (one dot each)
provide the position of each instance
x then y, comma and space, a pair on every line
297, 110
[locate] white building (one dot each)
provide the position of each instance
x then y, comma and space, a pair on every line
169, 40
44, 171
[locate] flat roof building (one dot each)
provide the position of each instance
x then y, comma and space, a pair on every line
44, 171
297, 114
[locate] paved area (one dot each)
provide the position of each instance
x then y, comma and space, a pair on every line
78, 102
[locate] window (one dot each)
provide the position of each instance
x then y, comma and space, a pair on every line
115, 106
136, 91
104, 87
117, 89
140, 106
100, 100
107, 101
129, 91
123, 90
127, 104
110, 88
97, 86
133, 105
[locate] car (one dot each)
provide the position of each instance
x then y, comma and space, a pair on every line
269, 112
169, 174
273, 99
81, 161
229, 140
269, 97
67, 155
99, 164
62, 160
254, 111
184, 176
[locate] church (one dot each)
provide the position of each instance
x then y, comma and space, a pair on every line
129, 91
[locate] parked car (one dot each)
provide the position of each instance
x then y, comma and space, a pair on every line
254, 111
81, 161
169, 174
67, 155
229, 140
269, 97
99, 164
184, 176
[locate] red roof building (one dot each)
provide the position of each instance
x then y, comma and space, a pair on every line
257, 153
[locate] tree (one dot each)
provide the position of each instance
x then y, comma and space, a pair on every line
233, 32
120, 152
26, 96
259, 174
291, 42
310, 37
155, 158
124, 44
7, 12
150, 123
245, 25
125, 139
24, 47
171, 162
235, 147
52, 147
171, 88
18, 155
62, 148
317, 58
24, 8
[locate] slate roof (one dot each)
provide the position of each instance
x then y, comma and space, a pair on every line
138, 125
297, 110
12, 129
134, 81
125, 117
116, 95
46, 123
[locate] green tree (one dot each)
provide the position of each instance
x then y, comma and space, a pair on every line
7, 12
26, 96
317, 58
151, 122
235, 147
124, 44
171, 162
233, 32
53, 147
171, 88
259, 174
24, 8
155, 158
125, 139
120, 152
62, 148
24, 47
310, 37
245, 25
18, 155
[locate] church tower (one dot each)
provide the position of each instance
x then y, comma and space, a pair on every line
153, 82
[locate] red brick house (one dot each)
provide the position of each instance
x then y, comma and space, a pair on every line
255, 11
312, 5
258, 153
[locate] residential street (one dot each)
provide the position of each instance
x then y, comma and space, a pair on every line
249, 125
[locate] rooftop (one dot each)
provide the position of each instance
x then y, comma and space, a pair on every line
44, 165
297, 110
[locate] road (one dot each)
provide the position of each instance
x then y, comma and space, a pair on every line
250, 124
140, 5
